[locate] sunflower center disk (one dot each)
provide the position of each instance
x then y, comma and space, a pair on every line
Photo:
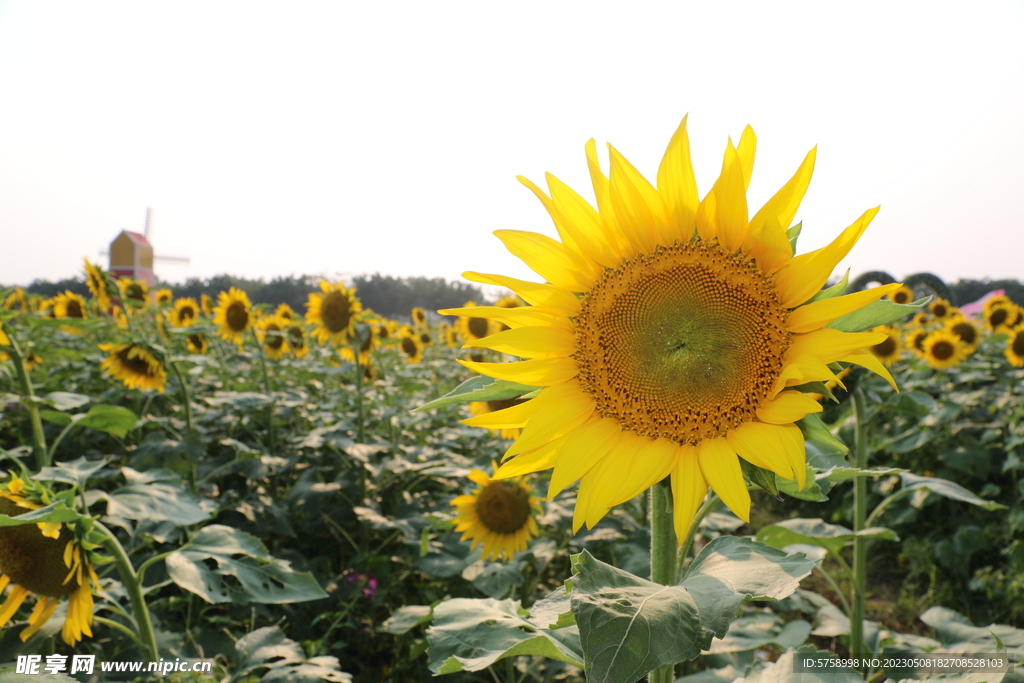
335, 312
503, 507
886, 348
236, 316
478, 327
32, 560
943, 350
682, 343
134, 364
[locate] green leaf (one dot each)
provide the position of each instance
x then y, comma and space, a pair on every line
793, 233
256, 575
110, 419
831, 537
407, 618
815, 431
876, 313
65, 400
760, 477
54, 512
268, 648
154, 495
835, 290
783, 671
946, 489
75, 472
759, 630
56, 417
479, 388
470, 635
730, 569
838, 474
553, 611
958, 634
811, 490
630, 626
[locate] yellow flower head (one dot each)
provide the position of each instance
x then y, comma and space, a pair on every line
410, 346
134, 365
1000, 316
206, 303
285, 312
163, 296
133, 292
96, 280
499, 515
888, 350
233, 314
333, 313
941, 309
943, 349
69, 305
903, 295
368, 344
17, 300
1015, 347
197, 343
271, 333
966, 331
419, 316
471, 327
669, 335
296, 337
915, 341
186, 312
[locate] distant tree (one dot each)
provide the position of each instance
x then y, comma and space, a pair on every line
392, 296
967, 291
48, 289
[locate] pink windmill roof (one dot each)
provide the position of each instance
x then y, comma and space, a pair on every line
139, 239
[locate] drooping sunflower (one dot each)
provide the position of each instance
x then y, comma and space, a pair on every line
96, 280
943, 349
411, 348
163, 296
134, 365
669, 335
903, 295
333, 313
197, 343
206, 303
47, 560
967, 331
499, 515
1015, 347
272, 336
296, 338
17, 300
888, 351
285, 312
133, 292
234, 315
471, 327
419, 316
485, 407
69, 305
940, 309
186, 312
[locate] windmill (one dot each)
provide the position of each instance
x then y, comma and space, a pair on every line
131, 254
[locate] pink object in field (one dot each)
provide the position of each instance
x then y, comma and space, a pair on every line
976, 307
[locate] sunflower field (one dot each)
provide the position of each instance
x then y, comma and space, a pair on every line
685, 455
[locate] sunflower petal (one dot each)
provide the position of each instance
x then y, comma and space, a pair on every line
762, 445
677, 184
689, 489
721, 469
507, 418
868, 360
643, 469
529, 342
584, 224
731, 202
540, 372
526, 463
562, 412
549, 258
785, 203
520, 316
638, 206
556, 217
602, 192
745, 152
581, 449
830, 345
788, 407
532, 292
820, 313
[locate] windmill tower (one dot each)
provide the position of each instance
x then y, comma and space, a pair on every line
131, 254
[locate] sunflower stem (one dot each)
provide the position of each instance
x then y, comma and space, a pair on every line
663, 555
38, 437
859, 515
186, 395
360, 427
130, 579
266, 387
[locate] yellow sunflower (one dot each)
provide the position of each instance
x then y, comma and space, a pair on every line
270, 331
411, 348
333, 313
485, 407
998, 315
133, 292
669, 335
967, 331
471, 327
419, 316
285, 312
499, 515
48, 560
915, 341
96, 280
943, 349
197, 343
368, 345
234, 315
296, 338
206, 303
17, 300
186, 312
903, 295
888, 351
940, 309
920, 319
163, 296
1015, 347
69, 305
134, 365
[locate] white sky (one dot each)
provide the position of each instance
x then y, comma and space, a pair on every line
346, 138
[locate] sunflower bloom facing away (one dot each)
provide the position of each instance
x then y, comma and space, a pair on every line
233, 314
96, 280
46, 560
499, 515
333, 313
669, 334
134, 365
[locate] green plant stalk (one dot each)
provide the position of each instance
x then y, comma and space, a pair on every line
186, 395
38, 437
860, 494
272, 442
360, 427
663, 555
133, 584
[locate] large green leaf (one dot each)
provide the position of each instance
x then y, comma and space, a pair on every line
257, 576
831, 537
815, 431
155, 495
759, 630
406, 618
479, 388
54, 512
110, 419
470, 635
268, 648
876, 313
959, 635
730, 569
65, 400
783, 670
944, 488
75, 472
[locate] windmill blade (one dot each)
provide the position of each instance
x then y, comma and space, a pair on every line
180, 260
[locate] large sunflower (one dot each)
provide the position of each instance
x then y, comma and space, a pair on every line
888, 350
96, 280
670, 334
499, 515
234, 315
943, 349
186, 312
134, 365
333, 313
998, 316
1015, 347
45, 559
